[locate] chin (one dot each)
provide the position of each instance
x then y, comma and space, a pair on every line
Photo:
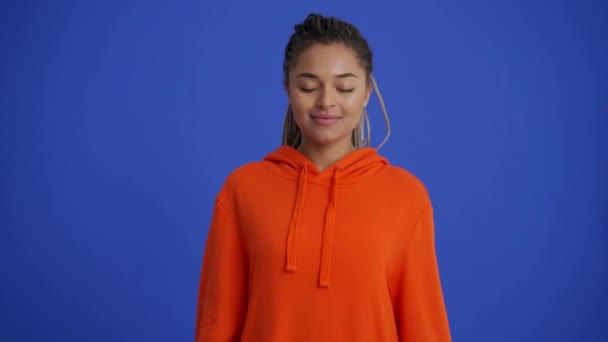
327, 140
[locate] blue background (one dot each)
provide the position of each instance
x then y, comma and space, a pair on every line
120, 121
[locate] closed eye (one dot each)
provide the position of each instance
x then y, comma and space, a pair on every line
310, 90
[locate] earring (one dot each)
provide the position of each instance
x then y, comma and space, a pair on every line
360, 134
292, 136
364, 125
289, 115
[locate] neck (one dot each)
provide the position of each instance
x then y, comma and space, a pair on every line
324, 155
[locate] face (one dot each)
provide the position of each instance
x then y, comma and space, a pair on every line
327, 89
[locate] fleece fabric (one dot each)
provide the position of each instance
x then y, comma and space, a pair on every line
346, 254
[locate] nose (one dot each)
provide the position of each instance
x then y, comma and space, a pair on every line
325, 99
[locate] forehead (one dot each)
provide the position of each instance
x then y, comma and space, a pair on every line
328, 59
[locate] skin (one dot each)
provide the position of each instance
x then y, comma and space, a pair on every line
328, 89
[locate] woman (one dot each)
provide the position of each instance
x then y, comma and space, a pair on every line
323, 240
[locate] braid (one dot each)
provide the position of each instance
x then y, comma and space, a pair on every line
317, 29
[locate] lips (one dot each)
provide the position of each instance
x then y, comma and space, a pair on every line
325, 120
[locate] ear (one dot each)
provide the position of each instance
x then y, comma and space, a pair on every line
368, 93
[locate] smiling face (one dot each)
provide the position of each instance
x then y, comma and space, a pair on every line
327, 90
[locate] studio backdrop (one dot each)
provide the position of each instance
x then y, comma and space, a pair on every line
120, 120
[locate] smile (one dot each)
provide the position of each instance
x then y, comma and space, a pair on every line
325, 120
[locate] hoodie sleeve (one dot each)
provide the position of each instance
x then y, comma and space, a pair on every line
417, 295
222, 297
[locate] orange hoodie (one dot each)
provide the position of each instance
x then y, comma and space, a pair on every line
347, 254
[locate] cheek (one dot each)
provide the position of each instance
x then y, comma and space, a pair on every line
354, 105
299, 111
301, 106
298, 108
297, 100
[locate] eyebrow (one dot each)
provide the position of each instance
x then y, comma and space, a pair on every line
313, 76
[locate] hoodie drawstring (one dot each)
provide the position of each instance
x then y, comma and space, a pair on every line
295, 221
328, 232
328, 227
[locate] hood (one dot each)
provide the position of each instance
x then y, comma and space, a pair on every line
291, 163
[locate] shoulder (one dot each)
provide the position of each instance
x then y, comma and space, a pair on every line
406, 184
244, 174
246, 171
246, 178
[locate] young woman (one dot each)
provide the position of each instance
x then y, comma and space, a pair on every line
323, 240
